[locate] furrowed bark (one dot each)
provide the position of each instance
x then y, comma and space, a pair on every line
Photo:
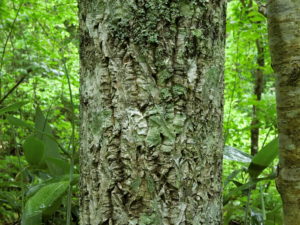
151, 111
284, 35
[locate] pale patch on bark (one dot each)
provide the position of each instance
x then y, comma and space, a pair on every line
192, 72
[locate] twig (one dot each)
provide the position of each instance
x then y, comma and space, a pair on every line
14, 87
6, 42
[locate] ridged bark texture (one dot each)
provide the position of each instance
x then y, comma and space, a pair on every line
284, 35
151, 111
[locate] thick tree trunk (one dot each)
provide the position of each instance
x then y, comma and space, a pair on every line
284, 35
151, 111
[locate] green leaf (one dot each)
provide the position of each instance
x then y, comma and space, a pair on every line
43, 202
34, 189
255, 16
263, 158
57, 166
17, 122
33, 150
13, 107
44, 133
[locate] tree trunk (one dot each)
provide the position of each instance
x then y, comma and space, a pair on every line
284, 35
151, 111
258, 89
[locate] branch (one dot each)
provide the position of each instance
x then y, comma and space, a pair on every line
15, 86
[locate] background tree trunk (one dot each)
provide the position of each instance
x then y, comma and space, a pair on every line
284, 35
258, 90
151, 111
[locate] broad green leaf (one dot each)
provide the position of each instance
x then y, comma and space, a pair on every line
21, 123
234, 154
32, 190
263, 158
44, 133
33, 150
18, 122
12, 107
57, 166
43, 202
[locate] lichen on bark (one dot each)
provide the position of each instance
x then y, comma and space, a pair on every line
151, 111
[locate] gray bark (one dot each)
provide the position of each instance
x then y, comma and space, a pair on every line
284, 35
151, 111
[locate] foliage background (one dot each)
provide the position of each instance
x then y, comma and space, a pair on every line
39, 97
